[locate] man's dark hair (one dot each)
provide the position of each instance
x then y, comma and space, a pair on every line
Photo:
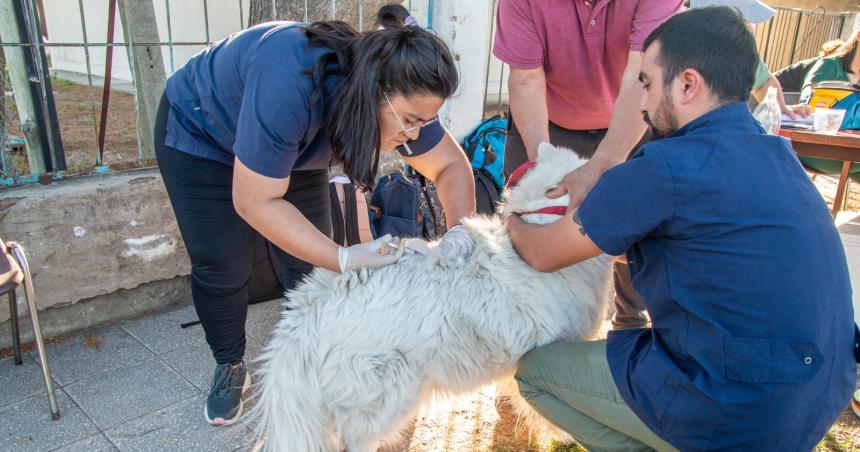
716, 42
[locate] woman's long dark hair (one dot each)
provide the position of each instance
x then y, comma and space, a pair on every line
398, 59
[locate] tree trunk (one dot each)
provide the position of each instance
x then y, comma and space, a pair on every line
314, 10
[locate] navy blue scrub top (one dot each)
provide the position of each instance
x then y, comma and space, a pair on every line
249, 96
745, 278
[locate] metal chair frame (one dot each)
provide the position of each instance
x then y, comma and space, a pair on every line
17, 252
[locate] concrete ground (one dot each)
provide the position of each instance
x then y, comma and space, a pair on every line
135, 385
140, 385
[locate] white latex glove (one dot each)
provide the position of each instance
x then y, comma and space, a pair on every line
419, 246
368, 255
457, 242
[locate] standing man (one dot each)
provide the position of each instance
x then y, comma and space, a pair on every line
733, 250
573, 82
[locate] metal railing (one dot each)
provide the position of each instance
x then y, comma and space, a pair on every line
14, 169
794, 35
18, 169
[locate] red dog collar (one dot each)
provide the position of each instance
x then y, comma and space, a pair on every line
514, 179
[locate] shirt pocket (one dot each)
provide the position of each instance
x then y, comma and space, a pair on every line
771, 360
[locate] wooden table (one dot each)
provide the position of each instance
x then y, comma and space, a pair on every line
843, 146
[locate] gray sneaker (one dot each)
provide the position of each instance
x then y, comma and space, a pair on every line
224, 404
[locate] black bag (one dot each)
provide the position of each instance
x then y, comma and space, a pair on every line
350, 219
267, 273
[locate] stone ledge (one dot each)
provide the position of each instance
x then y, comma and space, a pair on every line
92, 236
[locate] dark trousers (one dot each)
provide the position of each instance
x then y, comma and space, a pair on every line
629, 305
221, 244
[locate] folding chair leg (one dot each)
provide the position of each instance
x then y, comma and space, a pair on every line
16, 333
30, 295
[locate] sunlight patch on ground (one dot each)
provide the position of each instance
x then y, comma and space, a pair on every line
470, 422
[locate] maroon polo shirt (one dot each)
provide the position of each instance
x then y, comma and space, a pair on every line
583, 46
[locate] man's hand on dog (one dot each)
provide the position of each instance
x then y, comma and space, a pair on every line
578, 183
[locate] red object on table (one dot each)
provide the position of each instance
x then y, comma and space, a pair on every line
844, 146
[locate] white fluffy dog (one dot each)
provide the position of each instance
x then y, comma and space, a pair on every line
358, 353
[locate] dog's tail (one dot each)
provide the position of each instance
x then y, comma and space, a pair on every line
289, 411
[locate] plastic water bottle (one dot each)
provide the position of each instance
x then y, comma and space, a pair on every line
768, 112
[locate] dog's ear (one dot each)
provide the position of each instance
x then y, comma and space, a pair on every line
545, 151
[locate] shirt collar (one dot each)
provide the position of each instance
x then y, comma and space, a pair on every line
735, 113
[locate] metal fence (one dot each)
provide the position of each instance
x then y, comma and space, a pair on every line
29, 152
795, 35
16, 138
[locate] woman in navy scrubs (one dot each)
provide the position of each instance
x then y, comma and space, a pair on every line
244, 137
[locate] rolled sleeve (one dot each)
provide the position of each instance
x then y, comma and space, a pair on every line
272, 120
518, 42
428, 138
629, 202
648, 16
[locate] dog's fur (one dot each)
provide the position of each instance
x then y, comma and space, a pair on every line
358, 353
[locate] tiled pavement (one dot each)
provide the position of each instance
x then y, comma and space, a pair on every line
135, 385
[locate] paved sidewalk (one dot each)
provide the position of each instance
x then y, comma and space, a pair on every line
136, 385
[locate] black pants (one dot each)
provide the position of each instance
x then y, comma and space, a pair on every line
629, 305
583, 142
220, 243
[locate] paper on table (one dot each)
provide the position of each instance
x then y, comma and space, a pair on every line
798, 120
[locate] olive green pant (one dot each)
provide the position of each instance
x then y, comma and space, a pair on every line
570, 385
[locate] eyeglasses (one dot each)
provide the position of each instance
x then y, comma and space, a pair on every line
412, 125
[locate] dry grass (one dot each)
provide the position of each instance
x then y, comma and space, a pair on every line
79, 127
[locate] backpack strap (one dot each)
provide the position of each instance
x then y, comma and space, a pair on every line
336, 214
350, 215
484, 180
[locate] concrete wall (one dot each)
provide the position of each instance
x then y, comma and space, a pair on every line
187, 24
100, 248
465, 27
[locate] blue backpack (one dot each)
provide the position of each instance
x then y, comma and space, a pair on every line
405, 204
485, 149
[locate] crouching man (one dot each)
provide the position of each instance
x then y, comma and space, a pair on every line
735, 254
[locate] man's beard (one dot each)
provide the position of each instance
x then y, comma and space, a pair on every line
664, 122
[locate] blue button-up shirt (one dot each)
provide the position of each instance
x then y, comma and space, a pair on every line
745, 280
250, 96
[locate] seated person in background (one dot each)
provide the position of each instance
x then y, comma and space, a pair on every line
791, 77
842, 65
